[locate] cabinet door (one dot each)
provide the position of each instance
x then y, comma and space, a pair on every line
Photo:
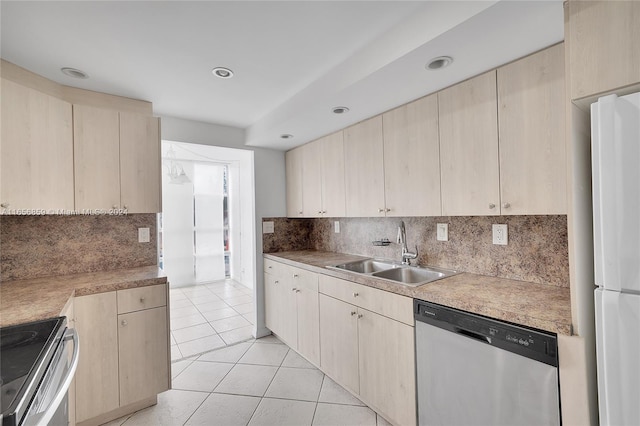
333, 189
469, 147
306, 285
271, 309
412, 159
96, 150
387, 366
142, 348
140, 180
97, 389
604, 46
339, 342
37, 150
364, 169
312, 179
293, 166
531, 115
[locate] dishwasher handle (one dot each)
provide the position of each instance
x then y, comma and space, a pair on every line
472, 335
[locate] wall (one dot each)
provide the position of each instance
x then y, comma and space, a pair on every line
269, 183
40, 246
537, 249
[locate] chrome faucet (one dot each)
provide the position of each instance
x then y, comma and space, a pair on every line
402, 239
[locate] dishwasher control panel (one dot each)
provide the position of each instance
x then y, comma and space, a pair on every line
536, 344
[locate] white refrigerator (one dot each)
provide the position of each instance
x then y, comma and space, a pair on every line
615, 139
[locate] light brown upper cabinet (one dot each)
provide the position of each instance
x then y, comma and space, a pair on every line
293, 164
532, 134
96, 142
140, 179
604, 46
37, 150
364, 169
117, 160
469, 147
323, 177
412, 159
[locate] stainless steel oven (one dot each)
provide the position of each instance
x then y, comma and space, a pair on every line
38, 361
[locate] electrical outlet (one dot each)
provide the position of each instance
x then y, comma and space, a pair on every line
143, 235
500, 234
442, 232
268, 227
336, 227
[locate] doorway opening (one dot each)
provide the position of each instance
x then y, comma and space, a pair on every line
207, 220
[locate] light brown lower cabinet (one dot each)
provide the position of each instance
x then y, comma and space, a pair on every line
124, 352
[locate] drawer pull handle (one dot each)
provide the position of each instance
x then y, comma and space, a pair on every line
356, 294
353, 313
124, 323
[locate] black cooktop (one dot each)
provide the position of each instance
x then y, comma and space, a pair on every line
22, 351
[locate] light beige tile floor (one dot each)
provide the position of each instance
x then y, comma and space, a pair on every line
209, 316
257, 382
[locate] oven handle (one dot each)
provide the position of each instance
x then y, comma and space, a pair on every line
70, 334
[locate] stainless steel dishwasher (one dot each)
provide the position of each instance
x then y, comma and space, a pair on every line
473, 370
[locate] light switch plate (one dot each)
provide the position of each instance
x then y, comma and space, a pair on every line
336, 227
267, 227
143, 235
500, 235
443, 232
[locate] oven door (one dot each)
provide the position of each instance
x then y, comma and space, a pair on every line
50, 405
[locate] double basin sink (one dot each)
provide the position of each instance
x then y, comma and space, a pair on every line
393, 271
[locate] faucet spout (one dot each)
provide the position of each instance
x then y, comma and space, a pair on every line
402, 239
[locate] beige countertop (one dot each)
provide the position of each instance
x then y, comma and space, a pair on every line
534, 305
40, 298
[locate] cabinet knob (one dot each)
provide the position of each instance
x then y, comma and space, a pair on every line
492, 206
115, 206
353, 313
295, 275
380, 210
319, 211
359, 316
276, 282
4, 205
356, 294
124, 323
506, 205
269, 267
297, 291
300, 213
387, 210
125, 207
142, 300
324, 212
294, 289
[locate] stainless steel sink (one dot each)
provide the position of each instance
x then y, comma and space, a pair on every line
394, 271
410, 275
367, 266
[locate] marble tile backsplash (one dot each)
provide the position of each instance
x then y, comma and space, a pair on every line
537, 249
40, 246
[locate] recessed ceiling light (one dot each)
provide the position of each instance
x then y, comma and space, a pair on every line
75, 73
439, 63
222, 72
286, 136
340, 110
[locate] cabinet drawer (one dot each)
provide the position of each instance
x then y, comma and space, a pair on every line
275, 268
137, 299
305, 279
382, 302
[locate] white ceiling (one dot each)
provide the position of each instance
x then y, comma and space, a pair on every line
293, 60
